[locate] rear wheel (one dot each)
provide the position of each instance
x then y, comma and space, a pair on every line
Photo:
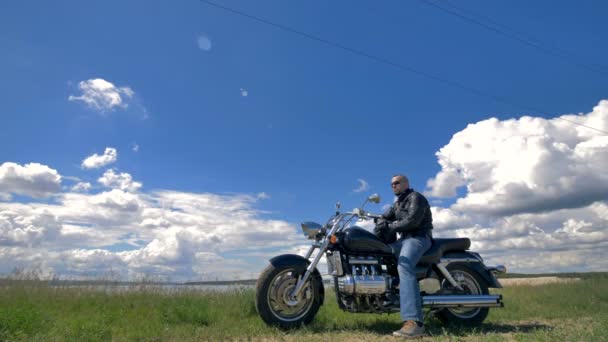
275, 303
472, 284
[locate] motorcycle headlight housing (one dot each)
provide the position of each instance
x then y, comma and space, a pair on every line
311, 229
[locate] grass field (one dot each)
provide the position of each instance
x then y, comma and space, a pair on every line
31, 311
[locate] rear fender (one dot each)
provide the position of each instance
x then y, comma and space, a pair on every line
300, 264
474, 262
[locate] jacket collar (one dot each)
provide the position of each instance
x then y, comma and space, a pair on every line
404, 194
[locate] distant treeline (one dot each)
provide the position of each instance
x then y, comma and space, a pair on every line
582, 275
222, 282
103, 282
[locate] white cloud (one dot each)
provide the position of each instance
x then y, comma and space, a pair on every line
81, 187
526, 165
96, 161
204, 42
29, 230
135, 148
33, 179
536, 191
244, 92
203, 235
363, 186
122, 181
448, 219
263, 196
102, 95
525, 241
172, 234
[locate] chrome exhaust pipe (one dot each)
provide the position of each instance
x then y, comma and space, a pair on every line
463, 301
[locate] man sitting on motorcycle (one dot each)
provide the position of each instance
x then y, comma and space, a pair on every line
410, 217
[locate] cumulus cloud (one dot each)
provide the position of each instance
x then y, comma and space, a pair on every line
448, 219
102, 95
525, 241
536, 191
122, 181
81, 187
16, 229
363, 186
96, 161
33, 179
524, 165
244, 92
168, 234
185, 236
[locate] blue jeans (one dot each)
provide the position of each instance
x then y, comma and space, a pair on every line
408, 252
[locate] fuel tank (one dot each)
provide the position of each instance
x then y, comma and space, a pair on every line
358, 240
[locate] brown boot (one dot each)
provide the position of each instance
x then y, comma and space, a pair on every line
410, 329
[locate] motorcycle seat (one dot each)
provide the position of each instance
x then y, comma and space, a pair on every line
442, 246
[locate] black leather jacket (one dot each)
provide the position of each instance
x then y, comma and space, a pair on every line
410, 215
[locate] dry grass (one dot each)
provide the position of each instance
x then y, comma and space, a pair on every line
575, 311
536, 281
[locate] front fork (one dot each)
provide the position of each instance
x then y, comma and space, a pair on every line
303, 279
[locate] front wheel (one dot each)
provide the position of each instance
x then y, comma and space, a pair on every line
274, 302
472, 284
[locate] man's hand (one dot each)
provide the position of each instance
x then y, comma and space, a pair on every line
382, 230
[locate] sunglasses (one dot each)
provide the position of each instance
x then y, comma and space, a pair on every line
395, 183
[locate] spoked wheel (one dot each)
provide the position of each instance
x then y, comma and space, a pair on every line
472, 284
275, 301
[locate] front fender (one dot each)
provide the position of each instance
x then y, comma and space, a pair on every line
300, 264
290, 259
476, 264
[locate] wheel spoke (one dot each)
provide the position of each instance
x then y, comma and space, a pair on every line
281, 304
470, 286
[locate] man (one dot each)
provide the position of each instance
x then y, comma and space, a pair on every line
410, 217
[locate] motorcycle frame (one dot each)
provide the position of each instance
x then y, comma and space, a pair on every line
339, 223
341, 220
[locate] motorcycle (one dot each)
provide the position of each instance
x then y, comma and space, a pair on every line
456, 282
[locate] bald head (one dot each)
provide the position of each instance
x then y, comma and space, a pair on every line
399, 183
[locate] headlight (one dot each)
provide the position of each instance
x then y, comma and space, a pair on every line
311, 229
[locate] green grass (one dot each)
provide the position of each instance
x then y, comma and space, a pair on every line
37, 312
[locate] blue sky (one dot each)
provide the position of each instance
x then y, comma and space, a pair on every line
315, 118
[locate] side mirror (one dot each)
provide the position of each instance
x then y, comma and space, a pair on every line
375, 198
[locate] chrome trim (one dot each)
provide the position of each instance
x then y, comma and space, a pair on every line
310, 250
447, 261
361, 261
346, 284
311, 229
498, 269
313, 264
334, 264
463, 301
358, 285
446, 274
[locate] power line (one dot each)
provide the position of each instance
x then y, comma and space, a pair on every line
556, 52
390, 63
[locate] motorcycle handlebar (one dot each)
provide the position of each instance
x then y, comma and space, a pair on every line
362, 214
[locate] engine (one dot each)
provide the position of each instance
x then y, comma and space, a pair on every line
366, 288
367, 276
